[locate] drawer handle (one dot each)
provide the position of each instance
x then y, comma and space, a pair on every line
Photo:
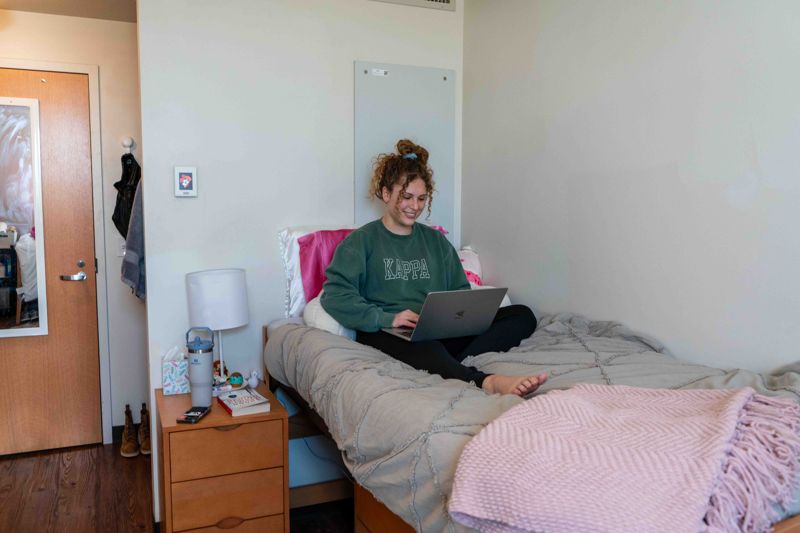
230, 522
227, 428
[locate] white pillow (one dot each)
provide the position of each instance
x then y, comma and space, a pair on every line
316, 317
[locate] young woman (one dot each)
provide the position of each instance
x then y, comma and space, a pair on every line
382, 272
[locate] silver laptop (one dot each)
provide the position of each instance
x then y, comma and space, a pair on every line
449, 314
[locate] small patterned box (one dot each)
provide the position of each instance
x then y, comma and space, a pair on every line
175, 377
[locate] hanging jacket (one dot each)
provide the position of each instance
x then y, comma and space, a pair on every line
126, 191
133, 273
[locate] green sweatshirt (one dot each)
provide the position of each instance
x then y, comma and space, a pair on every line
375, 274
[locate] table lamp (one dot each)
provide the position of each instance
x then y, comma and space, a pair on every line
217, 300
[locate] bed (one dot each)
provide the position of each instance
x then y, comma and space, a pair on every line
401, 430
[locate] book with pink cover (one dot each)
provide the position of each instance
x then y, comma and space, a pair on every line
243, 402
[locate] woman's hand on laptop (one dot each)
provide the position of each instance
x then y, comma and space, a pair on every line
405, 319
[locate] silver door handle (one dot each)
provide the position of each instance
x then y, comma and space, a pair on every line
80, 276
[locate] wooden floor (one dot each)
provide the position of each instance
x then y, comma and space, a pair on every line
93, 488
88, 488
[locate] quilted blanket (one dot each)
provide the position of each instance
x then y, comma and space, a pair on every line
402, 430
694, 460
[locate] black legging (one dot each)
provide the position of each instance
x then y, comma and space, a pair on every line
443, 357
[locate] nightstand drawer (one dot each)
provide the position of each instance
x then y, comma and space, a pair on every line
268, 524
226, 450
206, 502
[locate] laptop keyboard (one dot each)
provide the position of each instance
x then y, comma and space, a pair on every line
405, 332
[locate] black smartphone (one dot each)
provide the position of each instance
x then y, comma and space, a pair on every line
193, 415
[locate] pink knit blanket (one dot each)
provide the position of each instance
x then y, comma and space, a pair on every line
616, 458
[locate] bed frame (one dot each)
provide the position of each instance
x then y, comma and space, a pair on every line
371, 516
306, 424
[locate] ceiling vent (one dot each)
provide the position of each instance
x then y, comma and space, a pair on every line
446, 5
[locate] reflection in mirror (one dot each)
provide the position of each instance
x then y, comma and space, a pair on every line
23, 308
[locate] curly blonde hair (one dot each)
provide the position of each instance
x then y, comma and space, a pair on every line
409, 163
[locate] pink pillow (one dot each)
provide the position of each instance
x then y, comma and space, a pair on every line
316, 252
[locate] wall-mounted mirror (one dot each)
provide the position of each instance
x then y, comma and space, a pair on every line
23, 301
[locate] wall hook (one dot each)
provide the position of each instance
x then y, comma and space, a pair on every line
128, 143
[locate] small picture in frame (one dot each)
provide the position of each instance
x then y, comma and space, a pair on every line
185, 181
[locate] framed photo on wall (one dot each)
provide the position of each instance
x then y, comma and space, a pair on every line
185, 182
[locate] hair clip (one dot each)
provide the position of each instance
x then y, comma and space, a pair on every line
410, 156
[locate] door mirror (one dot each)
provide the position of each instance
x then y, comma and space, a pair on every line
23, 299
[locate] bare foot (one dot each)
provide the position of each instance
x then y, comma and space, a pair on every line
519, 385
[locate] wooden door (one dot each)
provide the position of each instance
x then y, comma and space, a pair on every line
50, 394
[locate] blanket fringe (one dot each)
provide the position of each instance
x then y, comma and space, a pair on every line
761, 467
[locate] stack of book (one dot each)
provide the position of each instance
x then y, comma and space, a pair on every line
243, 402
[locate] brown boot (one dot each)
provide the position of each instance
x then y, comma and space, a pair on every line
144, 431
129, 448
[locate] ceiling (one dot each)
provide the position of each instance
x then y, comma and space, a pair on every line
121, 10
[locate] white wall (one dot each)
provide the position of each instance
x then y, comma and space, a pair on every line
646, 158
258, 95
111, 46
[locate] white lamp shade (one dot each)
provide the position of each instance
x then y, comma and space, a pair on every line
217, 298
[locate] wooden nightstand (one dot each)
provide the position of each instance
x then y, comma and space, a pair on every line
223, 473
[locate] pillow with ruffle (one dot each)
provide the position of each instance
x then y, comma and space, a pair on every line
472, 265
306, 252
472, 268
